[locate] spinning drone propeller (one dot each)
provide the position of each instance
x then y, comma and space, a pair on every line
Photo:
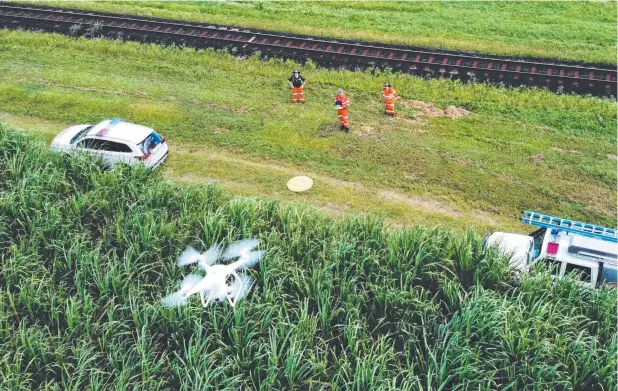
216, 285
191, 255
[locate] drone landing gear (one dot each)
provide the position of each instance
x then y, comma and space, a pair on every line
235, 289
205, 301
239, 289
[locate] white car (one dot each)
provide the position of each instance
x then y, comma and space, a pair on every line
116, 141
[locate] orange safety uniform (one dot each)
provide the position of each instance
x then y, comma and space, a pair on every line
298, 93
342, 110
298, 89
389, 100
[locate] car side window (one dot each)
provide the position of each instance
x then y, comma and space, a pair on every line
92, 143
584, 272
117, 147
103, 145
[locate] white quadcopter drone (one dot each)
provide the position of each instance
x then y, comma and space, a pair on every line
221, 281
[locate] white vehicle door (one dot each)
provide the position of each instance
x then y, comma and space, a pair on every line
110, 151
92, 146
118, 152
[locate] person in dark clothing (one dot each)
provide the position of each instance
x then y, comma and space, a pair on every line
297, 82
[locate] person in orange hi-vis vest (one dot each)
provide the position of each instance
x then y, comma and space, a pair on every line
389, 99
297, 82
341, 103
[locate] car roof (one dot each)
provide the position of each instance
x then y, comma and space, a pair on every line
120, 130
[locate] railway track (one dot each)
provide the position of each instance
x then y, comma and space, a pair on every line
581, 79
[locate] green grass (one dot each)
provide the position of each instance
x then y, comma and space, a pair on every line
86, 255
343, 304
229, 120
581, 31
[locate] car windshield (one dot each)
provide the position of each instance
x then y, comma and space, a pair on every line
80, 134
150, 142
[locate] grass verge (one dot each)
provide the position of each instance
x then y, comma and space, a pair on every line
228, 119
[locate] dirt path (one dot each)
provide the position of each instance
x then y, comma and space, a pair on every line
374, 198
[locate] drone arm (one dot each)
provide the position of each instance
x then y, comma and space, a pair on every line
247, 260
209, 257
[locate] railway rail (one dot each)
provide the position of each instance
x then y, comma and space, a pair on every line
594, 80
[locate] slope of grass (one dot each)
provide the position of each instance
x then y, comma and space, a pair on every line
86, 255
229, 120
581, 31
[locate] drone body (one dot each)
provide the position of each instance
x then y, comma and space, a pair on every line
221, 281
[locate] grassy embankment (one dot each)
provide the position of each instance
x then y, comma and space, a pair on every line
86, 255
580, 31
229, 120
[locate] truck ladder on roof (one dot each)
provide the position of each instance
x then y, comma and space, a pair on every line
576, 227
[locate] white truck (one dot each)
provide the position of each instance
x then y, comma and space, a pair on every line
563, 245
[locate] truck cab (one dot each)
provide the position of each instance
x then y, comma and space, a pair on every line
563, 246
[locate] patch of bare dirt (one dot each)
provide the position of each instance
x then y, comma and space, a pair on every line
430, 110
611, 156
424, 108
456, 112
418, 202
